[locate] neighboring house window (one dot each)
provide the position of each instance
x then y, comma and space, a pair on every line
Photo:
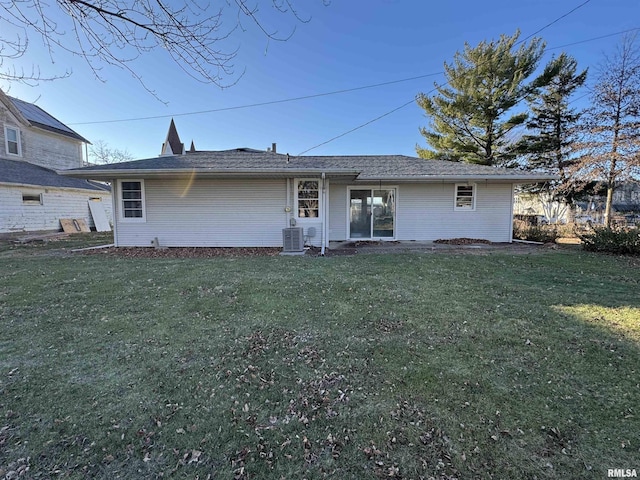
32, 199
132, 200
308, 198
465, 197
12, 141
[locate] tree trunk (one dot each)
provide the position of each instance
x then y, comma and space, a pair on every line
608, 205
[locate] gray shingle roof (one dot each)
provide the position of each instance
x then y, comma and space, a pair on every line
39, 118
24, 173
361, 167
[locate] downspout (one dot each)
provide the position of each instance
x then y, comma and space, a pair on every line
324, 216
114, 210
513, 196
287, 205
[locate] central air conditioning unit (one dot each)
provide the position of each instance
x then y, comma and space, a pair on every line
292, 239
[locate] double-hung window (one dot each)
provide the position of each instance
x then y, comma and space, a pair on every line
308, 198
465, 198
12, 141
132, 208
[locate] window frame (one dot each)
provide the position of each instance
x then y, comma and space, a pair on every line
32, 199
297, 199
457, 206
18, 141
121, 200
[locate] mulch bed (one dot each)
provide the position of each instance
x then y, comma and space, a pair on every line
184, 252
463, 241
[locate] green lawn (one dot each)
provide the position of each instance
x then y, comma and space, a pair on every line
372, 366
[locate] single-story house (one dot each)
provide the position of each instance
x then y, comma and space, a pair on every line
245, 198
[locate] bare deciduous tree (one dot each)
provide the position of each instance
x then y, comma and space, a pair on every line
100, 152
612, 123
117, 32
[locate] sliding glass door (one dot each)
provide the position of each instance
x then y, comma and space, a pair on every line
372, 213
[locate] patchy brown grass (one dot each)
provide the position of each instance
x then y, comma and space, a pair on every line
410, 366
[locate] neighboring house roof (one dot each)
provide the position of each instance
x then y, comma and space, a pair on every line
37, 117
24, 173
360, 168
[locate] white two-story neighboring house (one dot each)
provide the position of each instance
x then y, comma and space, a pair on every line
34, 147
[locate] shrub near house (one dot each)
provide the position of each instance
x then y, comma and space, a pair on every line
621, 240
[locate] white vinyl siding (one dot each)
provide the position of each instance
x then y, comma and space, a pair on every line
338, 206
209, 213
425, 212
18, 216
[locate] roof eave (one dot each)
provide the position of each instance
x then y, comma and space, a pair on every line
108, 174
457, 178
73, 135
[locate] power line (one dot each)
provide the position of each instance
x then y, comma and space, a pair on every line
435, 88
336, 92
554, 21
261, 104
594, 38
359, 127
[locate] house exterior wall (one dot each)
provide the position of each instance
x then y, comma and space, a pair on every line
18, 216
338, 207
425, 212
51, 151
207, 213
252, 213
40, 147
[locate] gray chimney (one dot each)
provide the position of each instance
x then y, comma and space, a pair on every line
273, 148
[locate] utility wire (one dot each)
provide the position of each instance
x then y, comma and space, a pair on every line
554, 21
434, 89
594, 38
261, 104
359, 126
335, 92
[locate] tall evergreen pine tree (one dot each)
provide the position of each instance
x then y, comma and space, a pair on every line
553, 127
470, 117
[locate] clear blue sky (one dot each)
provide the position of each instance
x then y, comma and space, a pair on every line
347, 44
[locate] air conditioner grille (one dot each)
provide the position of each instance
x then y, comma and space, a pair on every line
292, 239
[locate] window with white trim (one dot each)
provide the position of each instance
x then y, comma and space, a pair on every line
465, 198
132, 208
307, 198
12, 141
